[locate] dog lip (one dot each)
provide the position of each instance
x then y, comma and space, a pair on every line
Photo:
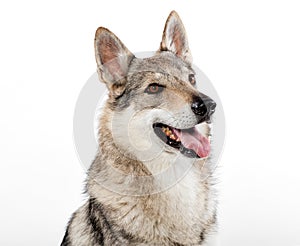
155, 123
187, 140
206, 120
158, 129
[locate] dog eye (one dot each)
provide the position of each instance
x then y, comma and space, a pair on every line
192, 79
154, 88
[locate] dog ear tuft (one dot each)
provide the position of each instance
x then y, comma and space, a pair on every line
174, 38
112, 58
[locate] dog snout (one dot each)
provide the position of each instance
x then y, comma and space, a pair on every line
203, 106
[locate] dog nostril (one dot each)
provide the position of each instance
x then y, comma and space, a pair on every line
212, 106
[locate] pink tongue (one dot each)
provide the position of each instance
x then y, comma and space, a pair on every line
192, 139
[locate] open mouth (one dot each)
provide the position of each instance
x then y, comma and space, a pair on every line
190, 142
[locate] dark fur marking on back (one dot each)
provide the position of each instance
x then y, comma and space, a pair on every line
66, 240
96, 209
95, 222
210, 223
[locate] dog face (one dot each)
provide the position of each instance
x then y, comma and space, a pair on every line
154, 103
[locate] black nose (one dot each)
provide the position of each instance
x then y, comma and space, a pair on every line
203, 106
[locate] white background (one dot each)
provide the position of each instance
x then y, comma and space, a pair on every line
250, 50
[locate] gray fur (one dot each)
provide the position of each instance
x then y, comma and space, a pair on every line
133, 212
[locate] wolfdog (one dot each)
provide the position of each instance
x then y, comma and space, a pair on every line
151, 182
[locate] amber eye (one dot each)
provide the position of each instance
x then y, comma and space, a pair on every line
154, 88
192, 79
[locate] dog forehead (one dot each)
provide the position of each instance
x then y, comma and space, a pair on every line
162, 63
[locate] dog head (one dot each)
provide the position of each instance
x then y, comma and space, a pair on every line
154, 106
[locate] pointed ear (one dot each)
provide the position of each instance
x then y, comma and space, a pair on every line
174, 38
113, 60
